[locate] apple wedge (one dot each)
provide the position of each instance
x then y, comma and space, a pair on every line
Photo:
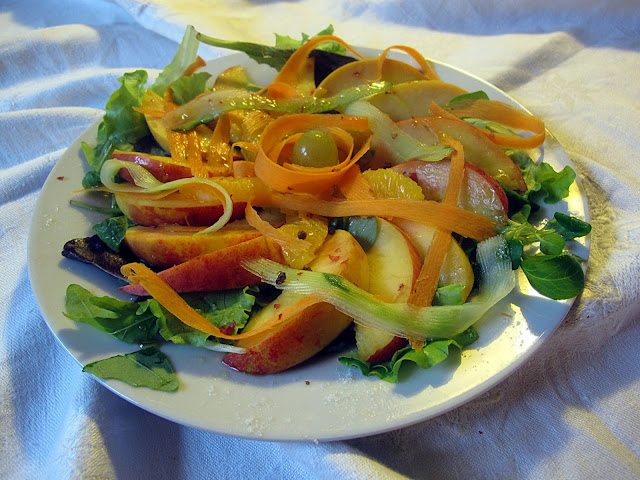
309, 330
219, 270
394, 266
412, 100
193, 204
478, 148
480, 193
363, 72
166, 246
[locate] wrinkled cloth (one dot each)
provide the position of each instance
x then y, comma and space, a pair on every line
572, 411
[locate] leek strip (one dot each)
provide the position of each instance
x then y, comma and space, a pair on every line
402, 146
206, 108
145, 182
401, 319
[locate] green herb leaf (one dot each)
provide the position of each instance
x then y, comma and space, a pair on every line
466, 97
187, 88
185, 56
126, 321
558, 277
431, 354
113, 230
148, 367
567, 226
551, 243
554, 184
449, 295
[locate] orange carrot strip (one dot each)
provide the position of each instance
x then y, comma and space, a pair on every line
453, 218
290, 71
305, 179
507, 115
243, 168
427, 70
427, 282
279, 90
139, 274
191, 69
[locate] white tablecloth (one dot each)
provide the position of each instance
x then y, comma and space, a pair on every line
571, 412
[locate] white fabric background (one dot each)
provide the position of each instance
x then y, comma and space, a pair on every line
573, 411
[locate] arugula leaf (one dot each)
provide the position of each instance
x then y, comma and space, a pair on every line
188, 88
113, 230
148, 367
127, 321
555, 276
286, 42
174, 330
434, 352
227, 309
276, 56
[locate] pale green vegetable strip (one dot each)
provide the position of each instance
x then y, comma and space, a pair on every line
400, 319
401, 145
206, 108
187, 54
145, 182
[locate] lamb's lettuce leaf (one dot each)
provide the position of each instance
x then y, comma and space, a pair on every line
434, 352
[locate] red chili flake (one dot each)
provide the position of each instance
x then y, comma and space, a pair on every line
299, 273
334, 258
61, 177
279, 316
401, 286
480, 432
302, 234
289, 188
229, 328
344, 261
356, 74
276, 306
394, 136
413, 176
307, 382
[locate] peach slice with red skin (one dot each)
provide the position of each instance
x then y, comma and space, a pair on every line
480, 193
306, 331
219, 270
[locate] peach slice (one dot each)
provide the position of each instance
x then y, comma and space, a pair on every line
219, 270
394, 266
480, 193
307, 331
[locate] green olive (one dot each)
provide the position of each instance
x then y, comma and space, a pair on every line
315, 148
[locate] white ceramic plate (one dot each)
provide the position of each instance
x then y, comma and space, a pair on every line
322, 399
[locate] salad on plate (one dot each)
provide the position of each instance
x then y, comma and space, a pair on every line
352, 203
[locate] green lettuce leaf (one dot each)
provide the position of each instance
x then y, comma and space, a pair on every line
187, 88
148, 367
434, 352
130, 322
185, 56
112, 230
